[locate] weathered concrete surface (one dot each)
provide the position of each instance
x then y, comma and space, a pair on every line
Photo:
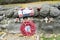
13, 28
54, 12
46, 10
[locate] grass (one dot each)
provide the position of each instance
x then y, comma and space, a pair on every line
54, 37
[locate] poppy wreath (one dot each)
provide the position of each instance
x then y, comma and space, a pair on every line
28, 28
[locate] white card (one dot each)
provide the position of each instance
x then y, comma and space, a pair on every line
26, 11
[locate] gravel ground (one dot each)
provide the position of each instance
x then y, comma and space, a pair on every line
18, 37
34, 37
